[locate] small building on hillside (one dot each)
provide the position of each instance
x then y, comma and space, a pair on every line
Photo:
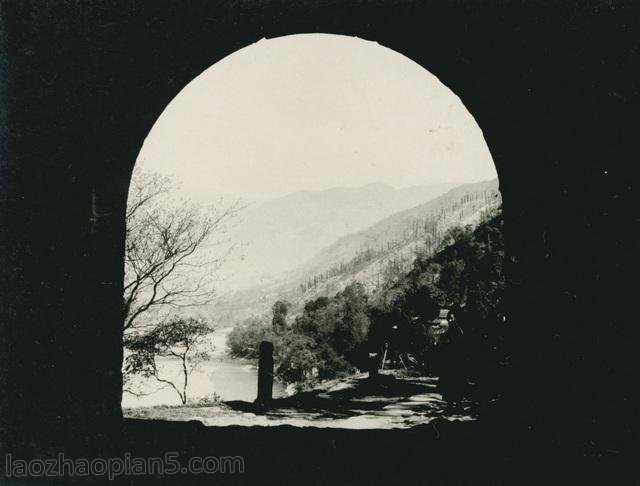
439, 326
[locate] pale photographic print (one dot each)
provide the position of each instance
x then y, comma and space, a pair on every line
319, 242
330, 222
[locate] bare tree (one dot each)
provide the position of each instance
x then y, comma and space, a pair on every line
173, 248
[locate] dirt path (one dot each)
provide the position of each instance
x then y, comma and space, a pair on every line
352, 403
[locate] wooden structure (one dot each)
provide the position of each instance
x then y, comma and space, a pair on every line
439, 326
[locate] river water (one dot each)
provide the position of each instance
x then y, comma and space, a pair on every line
409, 402
230, 378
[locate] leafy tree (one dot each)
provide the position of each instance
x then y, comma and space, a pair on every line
350, 331
338, 326
279, 321
296, 358
177, 338
314, 305
244, 340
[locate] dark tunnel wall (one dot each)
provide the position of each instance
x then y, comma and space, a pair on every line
552, 88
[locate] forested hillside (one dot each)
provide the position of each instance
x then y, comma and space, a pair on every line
375, 257
279, 235
392, 243
335, 335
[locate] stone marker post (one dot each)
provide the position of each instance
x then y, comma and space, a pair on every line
265, 373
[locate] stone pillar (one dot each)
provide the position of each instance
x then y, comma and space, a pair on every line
265, 373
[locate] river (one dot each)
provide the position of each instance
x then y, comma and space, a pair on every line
230, 378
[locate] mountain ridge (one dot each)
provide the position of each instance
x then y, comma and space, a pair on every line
389, 243
280, 234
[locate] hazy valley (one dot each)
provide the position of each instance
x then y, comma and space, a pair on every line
318, 242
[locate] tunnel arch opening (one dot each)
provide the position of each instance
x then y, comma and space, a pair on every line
295, 117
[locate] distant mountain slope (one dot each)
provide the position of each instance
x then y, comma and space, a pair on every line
374, 255
279, 235
456, 206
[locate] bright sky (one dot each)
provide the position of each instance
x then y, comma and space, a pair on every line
311, 112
